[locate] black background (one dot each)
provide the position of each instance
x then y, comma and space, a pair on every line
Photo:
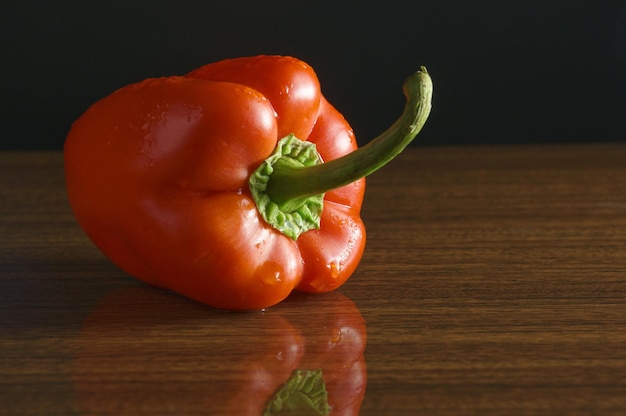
505, 71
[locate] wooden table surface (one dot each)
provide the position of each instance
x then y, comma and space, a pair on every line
493, 283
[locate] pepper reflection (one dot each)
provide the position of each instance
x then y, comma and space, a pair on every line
145, 351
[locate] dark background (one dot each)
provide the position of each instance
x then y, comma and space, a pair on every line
504, 71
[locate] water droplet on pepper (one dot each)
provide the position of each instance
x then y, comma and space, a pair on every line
270, 273
335, 269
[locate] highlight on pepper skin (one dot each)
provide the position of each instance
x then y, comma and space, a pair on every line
225, 364
187, 182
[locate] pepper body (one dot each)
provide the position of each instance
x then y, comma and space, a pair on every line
157, 175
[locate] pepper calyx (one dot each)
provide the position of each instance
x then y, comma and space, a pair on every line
296, 215
303, 394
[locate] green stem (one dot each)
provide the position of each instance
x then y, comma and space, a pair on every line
292, 183
288, 187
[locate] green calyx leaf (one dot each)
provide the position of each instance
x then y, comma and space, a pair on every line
303, 394
296, 215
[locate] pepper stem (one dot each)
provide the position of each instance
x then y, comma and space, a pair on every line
290, 184
288, 187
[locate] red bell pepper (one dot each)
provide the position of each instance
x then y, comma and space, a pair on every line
232, 185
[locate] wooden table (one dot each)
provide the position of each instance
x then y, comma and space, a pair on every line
493, 283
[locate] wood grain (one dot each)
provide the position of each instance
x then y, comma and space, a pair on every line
493, 283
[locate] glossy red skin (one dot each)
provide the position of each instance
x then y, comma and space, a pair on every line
157, 175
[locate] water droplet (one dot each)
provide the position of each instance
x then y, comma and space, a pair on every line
335, 269
270, 273
336, 337
272, 278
